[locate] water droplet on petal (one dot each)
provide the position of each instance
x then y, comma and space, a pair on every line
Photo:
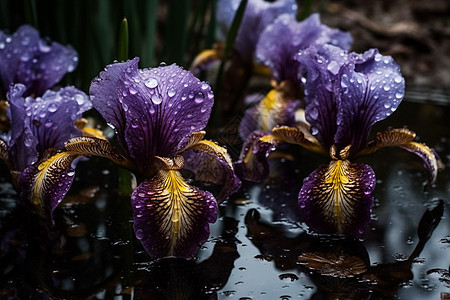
151, 83
52, 107
156, 99
170, 93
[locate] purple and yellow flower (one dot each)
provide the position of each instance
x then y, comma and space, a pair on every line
35, 62
39, 127
158, 115
277, 47
257, 15
345, 94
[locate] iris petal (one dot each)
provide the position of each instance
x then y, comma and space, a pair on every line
252, 164
298, 136
46, 184
430, 159
37, 63
85, 146
372, 89
275, 109
171, 218
402, 137
282, 39
154, 110
258, 14
212, 165
336, 198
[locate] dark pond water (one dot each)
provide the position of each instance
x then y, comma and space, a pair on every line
258, 249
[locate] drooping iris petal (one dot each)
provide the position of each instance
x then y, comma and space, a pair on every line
37, 63
171, 218
156, 109
429, 157
371, 89
258, 14
273, 110
252, 164
282, 39
298, 136
212, 165
46, 184
402, 137
87, 146
43, 123
336, 198
322, 89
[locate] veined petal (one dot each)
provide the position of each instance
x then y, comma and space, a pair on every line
402, 137
282, 39
430, 159
258, 14
322, 87
46, 184
37, 63
154, 110
207, 57
212, 165
85, 146
252, 164
275, 109
372, 87
171, 218
336, 198
298, 136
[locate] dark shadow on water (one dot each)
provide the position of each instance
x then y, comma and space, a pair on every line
339, 266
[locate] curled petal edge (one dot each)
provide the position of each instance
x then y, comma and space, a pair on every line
402, 137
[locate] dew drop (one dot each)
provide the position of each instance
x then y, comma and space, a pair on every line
156, 99
52, 107
386, 87
399, 95
139, 234
80, 99
151, 83
314, 113
170, 93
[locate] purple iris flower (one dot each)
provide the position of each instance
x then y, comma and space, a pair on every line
35, 62
158, 115
345, 94
39, 128
277, 47
257, 15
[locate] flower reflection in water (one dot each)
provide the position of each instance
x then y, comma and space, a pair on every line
339, 266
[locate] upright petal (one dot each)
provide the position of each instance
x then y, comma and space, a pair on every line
171, 218
155, 110
322, 89
336, 198
282, 39
258, 14
43, 123
372, 87
37, 63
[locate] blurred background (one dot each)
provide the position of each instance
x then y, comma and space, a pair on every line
416, 33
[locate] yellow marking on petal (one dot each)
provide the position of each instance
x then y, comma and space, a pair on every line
92, 132
268, 108
41, 180
337, 179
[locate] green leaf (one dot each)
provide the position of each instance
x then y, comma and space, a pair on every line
122, 51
